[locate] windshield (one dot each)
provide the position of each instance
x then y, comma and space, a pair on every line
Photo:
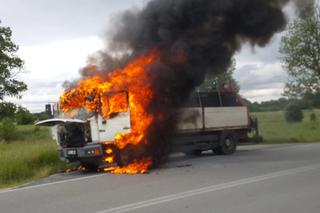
114, 103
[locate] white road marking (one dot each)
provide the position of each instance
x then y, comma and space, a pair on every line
48, 184
212, 188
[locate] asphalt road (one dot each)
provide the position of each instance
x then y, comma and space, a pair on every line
257, 179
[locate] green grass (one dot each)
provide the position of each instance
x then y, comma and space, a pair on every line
31, 157
275, 129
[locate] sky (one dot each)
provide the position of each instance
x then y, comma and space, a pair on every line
56, 38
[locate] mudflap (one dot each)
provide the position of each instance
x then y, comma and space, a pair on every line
257, 139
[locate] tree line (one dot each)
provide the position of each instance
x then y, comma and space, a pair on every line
19, 114
282, 103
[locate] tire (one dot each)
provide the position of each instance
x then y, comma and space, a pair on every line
194, 153
227, 145
90, 167
217, 151
125, 156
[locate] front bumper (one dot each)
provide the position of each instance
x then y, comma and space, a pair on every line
91, 151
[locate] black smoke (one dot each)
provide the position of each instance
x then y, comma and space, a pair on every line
194, 38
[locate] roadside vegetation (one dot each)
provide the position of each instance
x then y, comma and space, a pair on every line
30, 155
26, 152
275, 129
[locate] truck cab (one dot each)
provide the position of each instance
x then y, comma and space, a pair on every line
91, 140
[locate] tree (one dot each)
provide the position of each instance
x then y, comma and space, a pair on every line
42, 116
24, 117
212, 82
301, 49
10, 65
7, 110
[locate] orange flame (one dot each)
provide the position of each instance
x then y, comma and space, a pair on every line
133, 78
137, 167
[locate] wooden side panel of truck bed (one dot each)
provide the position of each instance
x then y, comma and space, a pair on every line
213, 118
217, 117
191, 119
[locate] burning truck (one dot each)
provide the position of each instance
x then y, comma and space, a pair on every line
112, 137
214, 121
139, 100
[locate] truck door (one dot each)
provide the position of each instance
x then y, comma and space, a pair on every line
114, 117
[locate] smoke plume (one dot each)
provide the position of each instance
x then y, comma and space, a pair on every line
305, 8
194, 38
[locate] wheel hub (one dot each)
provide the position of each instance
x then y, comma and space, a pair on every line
228, 143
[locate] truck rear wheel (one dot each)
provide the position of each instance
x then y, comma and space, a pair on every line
227, 145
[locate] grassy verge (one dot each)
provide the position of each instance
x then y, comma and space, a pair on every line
275, 129
31, 157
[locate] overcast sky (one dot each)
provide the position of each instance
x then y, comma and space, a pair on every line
55, 38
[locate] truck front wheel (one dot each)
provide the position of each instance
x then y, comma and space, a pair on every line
90, 167
227, 145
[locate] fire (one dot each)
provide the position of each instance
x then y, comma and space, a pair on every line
133, 78
137, 167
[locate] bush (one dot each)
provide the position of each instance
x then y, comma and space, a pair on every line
313, 120
8, 130
293, 113
313, 117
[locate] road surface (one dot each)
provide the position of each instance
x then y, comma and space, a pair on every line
263, 179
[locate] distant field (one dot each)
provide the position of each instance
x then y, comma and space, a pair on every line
275, 129
31, 157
